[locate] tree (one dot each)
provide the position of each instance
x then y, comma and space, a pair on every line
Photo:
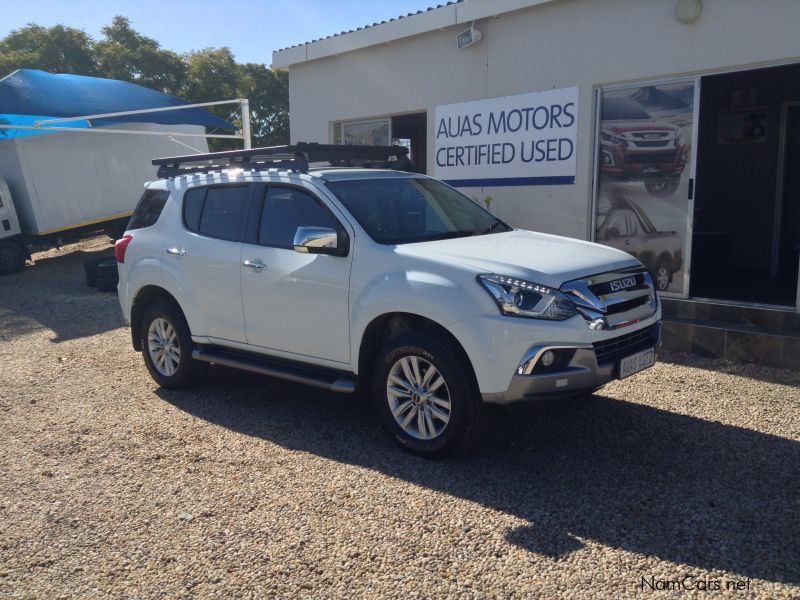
56, 49
127, 55
123, 53
268, 93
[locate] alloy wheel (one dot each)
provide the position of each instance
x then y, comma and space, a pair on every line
418, 398
163, 346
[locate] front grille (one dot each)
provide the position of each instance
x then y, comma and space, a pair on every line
614, 349
626, 305
650, 143
603, 289
651, 158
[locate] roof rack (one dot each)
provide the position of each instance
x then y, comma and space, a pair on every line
291, 158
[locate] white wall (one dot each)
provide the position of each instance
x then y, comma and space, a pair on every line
558, 44
68, 179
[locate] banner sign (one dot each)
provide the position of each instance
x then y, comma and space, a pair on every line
527, 139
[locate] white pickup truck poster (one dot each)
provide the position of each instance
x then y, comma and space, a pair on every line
526, 139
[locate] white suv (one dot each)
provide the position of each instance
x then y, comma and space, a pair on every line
369, 279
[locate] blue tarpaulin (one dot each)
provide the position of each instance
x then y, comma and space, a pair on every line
29, 92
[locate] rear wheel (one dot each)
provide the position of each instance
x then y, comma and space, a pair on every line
663, 275
426, 395
12, 258
167, 347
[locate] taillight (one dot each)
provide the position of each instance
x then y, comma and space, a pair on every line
120, 246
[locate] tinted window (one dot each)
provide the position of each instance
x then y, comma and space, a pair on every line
223, 211
193, 207
285, 210
148, 209
404, 210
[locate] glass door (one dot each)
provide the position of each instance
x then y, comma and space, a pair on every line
644, 176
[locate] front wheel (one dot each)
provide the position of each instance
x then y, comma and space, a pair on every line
167, 347
662, 187
426, 395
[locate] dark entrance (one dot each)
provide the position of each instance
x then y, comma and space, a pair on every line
746, 232
411, 131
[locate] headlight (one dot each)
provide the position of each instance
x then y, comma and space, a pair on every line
520, 298
612, 138
678, 138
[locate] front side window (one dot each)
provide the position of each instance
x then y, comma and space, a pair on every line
286, 209
404, 210
148, 209
216, 211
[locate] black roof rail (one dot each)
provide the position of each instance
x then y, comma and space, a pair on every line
291, 158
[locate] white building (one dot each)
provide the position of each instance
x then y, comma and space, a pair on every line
669, 128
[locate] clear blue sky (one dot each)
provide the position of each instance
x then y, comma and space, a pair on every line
252, 29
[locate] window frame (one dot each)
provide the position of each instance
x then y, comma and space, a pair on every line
257, 213
245, 210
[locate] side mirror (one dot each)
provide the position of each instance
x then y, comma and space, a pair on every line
317, 240
611, 233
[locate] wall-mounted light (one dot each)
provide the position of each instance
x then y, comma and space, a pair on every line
468, 37
688, 11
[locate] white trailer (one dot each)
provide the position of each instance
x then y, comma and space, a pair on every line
66, 185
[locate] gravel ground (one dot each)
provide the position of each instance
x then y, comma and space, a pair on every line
250, 487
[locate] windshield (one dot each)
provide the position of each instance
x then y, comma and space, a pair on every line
623, 109
406, 210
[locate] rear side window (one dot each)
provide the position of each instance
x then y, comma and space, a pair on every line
216, 211
286, 209
148, 209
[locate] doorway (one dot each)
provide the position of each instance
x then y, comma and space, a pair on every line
411, 131
746, 227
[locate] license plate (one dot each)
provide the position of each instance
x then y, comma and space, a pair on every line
637, 362
650, 170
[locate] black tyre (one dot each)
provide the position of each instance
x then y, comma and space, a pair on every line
90, 268
662, 275
12, 258
167, 347
107, 276
662, 187
426, 395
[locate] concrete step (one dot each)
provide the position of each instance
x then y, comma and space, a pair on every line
777, 320
733, 342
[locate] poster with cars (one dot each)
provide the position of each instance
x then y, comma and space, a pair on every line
644, 156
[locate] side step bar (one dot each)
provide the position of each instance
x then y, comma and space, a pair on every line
327, 380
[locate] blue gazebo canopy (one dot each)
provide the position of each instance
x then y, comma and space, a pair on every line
29, 92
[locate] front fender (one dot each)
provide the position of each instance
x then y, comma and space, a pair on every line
439, 298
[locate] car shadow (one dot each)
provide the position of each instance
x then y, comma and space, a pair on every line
625, 475
53, 294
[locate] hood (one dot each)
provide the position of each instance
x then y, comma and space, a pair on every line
539, 257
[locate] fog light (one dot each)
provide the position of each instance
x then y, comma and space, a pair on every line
548, 358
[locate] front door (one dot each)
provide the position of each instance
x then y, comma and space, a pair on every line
295, 303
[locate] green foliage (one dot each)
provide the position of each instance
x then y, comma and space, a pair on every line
56, 49
125, 54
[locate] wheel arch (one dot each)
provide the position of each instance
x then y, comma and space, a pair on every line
390, 325
146, 296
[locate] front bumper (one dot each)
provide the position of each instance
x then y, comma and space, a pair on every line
590, 367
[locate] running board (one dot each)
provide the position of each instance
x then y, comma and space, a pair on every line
327, 380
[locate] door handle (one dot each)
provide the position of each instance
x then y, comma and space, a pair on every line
179, 252
257, 265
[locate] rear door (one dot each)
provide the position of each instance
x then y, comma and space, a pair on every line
296, 303
208, 251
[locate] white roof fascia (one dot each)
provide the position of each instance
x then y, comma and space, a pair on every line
384, 33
